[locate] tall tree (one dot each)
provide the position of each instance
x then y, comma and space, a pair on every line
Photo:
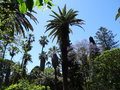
53, 53
43, 56
54, 57
60, 29
26, 48
43, 41
106, 39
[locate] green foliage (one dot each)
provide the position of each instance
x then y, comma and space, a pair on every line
107, 70
20, 1
25, 85
22, 8
5, 68
16, 69
13, 21
106, 39
44, 78
6, 22
49, 70
30, 4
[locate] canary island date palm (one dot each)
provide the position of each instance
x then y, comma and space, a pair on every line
59, 27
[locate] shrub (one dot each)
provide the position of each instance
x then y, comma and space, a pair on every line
25, 85
107, 70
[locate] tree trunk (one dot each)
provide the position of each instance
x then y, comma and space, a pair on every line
56, 79
42, 61
63, 46
64, 69
42, 64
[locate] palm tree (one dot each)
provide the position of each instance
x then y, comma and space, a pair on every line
26, 58
43, 56
53, 54
43, 41
60, 29
26, 48
13, 50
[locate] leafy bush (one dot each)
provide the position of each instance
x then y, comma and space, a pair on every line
25, 85
107, 70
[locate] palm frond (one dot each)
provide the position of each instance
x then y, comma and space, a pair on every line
32, 17
60, 20
60, 11
64, 10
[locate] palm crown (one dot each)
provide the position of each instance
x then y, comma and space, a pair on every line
61, 20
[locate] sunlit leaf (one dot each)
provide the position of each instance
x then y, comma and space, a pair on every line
20, 1
39, 7
22, 8
37, 3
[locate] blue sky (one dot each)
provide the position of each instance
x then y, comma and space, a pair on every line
95, 13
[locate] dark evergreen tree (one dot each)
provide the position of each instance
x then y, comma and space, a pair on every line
106, 39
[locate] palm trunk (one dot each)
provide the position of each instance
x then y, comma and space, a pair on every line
42, 61
64, 44
56, 79
42, 49
23, 66
64, 69
42, 64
